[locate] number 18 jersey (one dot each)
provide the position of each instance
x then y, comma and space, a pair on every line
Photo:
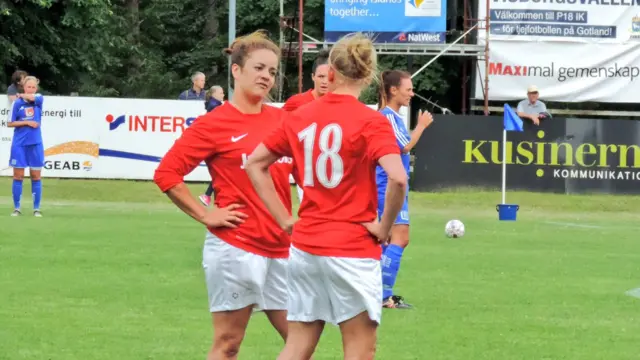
336, 142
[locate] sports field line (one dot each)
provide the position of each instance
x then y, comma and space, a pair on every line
568, 224
587, 226
103, 205
577, 220
539, 215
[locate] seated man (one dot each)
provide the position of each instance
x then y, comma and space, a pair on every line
532, 108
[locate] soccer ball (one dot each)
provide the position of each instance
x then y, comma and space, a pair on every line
454, 229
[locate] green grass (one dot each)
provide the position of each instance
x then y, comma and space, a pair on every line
113, 271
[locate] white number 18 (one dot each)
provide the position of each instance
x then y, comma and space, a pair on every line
308, 137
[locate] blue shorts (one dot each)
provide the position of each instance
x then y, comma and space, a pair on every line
27, 156
403, 215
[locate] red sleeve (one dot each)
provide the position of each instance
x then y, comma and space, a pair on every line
380, 138
194, 146
277, 141
291, 103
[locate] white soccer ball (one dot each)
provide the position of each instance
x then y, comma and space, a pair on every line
454, 229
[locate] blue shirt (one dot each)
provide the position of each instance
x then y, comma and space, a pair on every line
192, 95
27, 111
402, 138
212, 104
12, 90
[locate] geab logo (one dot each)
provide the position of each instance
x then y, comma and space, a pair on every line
68, 165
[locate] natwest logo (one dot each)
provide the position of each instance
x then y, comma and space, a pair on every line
150, 123
420, 37
505, 69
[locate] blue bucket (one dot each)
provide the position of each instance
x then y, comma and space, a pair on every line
507, 212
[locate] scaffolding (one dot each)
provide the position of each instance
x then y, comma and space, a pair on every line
463, 46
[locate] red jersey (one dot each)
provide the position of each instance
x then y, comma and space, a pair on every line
298, 100
224, 139
336, 142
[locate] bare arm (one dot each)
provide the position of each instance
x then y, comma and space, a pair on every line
424, 120
525, 115
187, 152
396, 189
415, 137
215, 217
182, 197
258, 171
533, 117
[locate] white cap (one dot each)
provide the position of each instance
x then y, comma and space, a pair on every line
532, 89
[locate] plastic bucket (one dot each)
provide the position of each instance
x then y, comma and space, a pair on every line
507, 212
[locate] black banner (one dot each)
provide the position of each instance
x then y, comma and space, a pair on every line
561, 155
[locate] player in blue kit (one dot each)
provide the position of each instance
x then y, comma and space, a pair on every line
396, 90
27, 150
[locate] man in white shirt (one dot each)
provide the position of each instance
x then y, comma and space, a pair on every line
531, 108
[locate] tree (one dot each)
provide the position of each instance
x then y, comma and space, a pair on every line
149, 49
55, 40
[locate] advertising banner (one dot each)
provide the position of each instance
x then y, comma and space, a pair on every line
561, 155
387, 21
108, 138
574, 51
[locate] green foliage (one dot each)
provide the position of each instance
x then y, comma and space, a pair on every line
55, 40
433, 80
149, 49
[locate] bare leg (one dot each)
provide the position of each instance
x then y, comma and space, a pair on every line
359, 336
278, 319
229, 328
302, 340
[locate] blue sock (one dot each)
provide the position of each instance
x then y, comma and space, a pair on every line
17, 193
390, 267
384, 248
36, 190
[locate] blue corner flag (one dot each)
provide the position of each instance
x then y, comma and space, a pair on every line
512, 121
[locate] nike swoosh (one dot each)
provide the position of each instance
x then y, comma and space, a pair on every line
236, 139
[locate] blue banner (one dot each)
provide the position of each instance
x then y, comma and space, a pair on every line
387, 21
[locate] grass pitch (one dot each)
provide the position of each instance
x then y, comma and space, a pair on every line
113, 271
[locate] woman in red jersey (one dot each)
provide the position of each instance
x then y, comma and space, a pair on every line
245, 251
320, 77
334, 265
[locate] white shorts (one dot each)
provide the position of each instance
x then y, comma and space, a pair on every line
300, 193
332, 289
237, 278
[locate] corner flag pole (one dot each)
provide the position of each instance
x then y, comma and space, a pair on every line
511, 122
504, 166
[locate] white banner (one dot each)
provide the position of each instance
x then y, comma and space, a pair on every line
107, 138
572, 50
